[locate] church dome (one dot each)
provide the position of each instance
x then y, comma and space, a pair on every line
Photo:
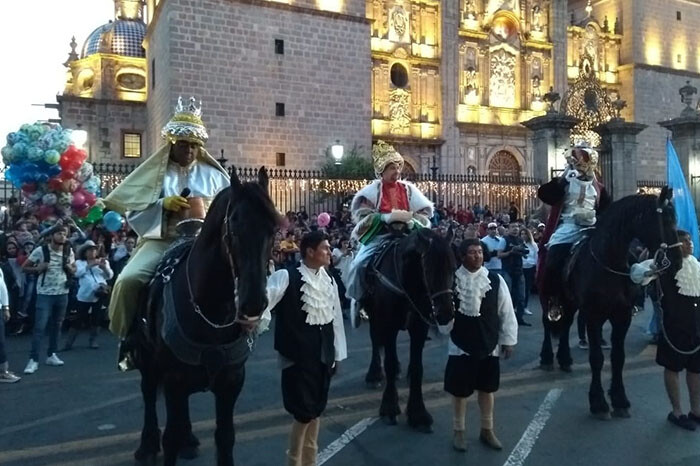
121, 37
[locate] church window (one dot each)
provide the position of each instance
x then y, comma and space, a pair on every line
153, 73
131, 145
399, 75
280, 159
279, 109
678, 15
279, 46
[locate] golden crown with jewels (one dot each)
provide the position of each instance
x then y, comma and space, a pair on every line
186, 124
382, 155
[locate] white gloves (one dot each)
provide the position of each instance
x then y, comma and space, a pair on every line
403, 216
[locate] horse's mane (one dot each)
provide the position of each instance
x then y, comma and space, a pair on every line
248, 192
439, 250
629, 212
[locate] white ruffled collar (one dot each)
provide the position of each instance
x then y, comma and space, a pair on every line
688, 277
471, 289
317, 295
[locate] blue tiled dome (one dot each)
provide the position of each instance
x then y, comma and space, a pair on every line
121, 37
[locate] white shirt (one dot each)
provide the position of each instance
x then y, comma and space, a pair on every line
4, 296
202, 179
52, 282
342, 263
277, 284
508, 331
90, 279
494, 244
530, 260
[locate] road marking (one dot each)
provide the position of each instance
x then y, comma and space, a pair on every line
527, 441
341, 442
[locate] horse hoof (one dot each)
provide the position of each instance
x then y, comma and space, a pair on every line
373, 385
565, 368
389, 420
145, 459
423, 428
602, 416
623, 413
547, 367
188, 452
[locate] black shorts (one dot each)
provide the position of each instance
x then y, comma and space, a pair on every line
675, 361
305, 390
464, 374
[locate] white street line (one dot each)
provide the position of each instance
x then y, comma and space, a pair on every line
342, 441
527, 441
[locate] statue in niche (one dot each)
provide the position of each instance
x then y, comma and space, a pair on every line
537, 18
469, 10
470, 86
590, 45
502, 81
399, 101
536, 93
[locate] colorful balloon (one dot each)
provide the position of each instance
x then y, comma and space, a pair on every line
113, 221
323, 220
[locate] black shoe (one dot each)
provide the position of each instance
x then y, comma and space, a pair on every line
681, 421
693, 417
522, 323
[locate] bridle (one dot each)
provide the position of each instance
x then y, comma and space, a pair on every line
661, 260
226, 236
398, 289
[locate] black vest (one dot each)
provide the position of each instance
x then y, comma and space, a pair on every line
294, 338
478, 336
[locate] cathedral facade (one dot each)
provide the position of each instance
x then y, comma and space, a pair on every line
448, 82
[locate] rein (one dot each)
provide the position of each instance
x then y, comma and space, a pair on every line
400, 290
226, 235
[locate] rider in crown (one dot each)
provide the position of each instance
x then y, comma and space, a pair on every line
181, 175
575, 197
384, 201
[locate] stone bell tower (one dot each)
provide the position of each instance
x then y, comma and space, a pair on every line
129, 9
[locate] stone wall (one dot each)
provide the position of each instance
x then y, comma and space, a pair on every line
104, 120
223, 52
161, 97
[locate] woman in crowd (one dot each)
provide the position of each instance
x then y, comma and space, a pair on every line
529, 263
93, 272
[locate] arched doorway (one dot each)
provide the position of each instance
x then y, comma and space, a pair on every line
504, 164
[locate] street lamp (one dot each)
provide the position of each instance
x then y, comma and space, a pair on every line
222, 159
434, 169
337, 151
79, 138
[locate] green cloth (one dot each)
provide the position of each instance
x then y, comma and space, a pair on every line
376, 227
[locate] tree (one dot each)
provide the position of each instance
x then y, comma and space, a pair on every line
355, 165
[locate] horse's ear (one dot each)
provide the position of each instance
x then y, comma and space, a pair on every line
263, 178
666, 195
235, 181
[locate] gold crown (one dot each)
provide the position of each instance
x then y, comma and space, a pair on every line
186, 124
383, 154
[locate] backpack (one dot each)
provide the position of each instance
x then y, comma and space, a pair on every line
70, 278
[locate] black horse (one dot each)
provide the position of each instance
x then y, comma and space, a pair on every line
209, 299
597, 283
410, 288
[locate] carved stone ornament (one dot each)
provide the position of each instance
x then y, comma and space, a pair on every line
399, 25
399, 102
502, 81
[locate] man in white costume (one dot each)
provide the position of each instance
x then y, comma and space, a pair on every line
384, 201
153, 197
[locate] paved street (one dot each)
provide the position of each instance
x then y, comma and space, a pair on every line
86, 413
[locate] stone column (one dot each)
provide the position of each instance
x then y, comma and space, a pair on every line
685, 134
550, 138
558, 22
620, 141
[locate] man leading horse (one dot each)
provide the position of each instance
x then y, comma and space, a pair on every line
154, 199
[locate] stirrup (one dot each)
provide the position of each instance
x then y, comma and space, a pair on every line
125, 358
554, 311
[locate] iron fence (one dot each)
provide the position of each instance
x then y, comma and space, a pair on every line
294, 189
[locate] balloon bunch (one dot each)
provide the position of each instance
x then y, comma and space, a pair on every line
52, 173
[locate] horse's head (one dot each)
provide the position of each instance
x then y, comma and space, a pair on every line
430, 261
668, 242
249, 228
